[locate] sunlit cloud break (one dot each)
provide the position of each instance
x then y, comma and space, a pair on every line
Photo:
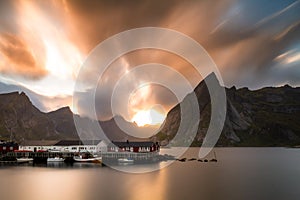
56, 58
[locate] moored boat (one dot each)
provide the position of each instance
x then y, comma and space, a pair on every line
125, 160
56, 159
24, 160
80, 158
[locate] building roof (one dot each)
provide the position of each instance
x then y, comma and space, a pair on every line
38, 142
77, 142
59, 142
6, 144
134, 144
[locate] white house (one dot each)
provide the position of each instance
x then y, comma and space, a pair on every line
92, 146
81, 146
37, 145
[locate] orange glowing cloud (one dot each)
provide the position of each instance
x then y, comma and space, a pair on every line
18, 58
39, 50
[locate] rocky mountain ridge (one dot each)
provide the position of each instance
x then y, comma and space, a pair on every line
265, 117
20, 120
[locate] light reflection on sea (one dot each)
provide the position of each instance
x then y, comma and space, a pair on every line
240, 173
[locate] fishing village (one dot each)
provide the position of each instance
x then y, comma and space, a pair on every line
93, 151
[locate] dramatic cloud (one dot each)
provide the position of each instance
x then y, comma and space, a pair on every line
42, 44
18, 59
240, 40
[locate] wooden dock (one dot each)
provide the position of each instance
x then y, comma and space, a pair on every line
138, 157
37, 156
106, 156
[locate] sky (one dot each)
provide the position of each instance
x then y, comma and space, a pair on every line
43, 45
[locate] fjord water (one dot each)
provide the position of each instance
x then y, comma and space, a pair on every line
240, 173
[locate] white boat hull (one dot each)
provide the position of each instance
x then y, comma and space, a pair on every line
125, 160
93, 160
56, 159
24, 160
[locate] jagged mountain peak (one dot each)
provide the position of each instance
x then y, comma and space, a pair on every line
16, 96
249, 118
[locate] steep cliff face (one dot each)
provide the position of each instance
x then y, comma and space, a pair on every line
265, 117
272, 114
20, 120
63, 122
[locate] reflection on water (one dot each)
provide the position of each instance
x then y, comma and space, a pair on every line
42, 183
240, 173
70, 165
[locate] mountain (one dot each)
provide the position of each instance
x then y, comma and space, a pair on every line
265, 117
21, 120
43, 103
118, 129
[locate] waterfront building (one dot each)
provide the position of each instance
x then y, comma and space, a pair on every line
92, 146
8, 146
37, 145
133, 146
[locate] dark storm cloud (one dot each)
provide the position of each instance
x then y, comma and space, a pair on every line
247, 44
238, 34
243, 37
99, 20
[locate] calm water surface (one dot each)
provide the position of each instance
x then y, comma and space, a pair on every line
240, 173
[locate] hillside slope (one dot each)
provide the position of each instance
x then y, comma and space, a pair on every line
265, 117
